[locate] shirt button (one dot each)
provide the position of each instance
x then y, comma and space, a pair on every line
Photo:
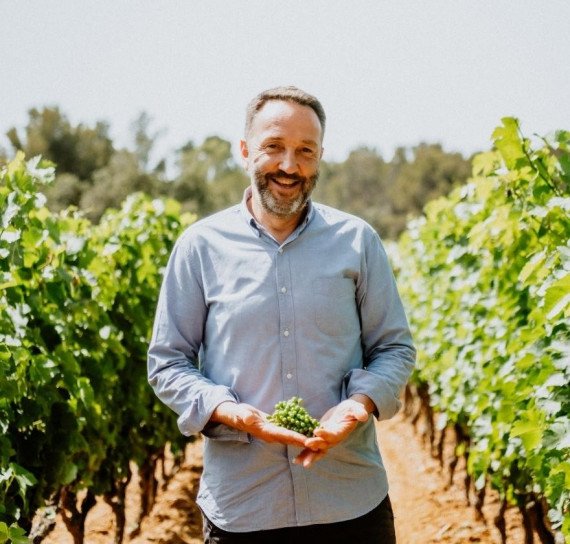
289, 376
285, 332
283, 289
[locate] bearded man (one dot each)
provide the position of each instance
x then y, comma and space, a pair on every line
274, 298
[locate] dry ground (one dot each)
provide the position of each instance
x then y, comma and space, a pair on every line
427, 510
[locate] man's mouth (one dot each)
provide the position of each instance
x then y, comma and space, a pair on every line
286, 182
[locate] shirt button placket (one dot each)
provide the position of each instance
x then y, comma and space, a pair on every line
289, 370
288, 363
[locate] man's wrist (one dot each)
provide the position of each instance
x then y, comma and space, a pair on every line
223, 413
366, 401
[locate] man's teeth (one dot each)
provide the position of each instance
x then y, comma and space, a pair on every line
287, 183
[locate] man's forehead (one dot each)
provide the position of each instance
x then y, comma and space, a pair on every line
277, 107
276, 114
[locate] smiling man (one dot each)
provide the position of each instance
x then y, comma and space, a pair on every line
274, 298
282, 151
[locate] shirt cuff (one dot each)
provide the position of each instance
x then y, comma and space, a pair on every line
219, 431
197, 415
373, 386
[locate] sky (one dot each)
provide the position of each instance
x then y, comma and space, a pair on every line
389, 74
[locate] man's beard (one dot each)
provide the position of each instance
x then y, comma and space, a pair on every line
282, 207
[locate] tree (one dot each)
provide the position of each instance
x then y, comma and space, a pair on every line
387, 194
208, 178
91, 173
114, 182
432, 172
65, 191
355, 185
144, 141
78, 150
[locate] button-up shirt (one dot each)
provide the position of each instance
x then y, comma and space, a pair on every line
244, 318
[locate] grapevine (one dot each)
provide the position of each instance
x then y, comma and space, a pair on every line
485, 275
76, 311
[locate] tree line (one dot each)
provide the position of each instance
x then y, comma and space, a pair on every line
93, 174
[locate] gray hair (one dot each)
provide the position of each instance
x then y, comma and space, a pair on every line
287, 94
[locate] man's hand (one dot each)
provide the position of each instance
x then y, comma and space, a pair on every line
249, 419
336, 425
340, 421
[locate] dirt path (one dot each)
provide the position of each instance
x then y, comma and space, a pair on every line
427, 510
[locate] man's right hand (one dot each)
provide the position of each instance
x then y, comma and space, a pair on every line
249, 419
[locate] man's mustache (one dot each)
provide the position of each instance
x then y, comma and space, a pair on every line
281, 174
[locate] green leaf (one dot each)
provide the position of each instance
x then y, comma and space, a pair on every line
529, 433
18, 536
508, 142
563, 468
532, 265
13, 534
24, 477
4, 532
557, 298
69, 474
484, 164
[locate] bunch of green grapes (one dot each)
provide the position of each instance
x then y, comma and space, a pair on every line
291, 415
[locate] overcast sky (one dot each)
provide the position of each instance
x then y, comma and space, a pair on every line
388, 73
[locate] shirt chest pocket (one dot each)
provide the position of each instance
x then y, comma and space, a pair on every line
335, 306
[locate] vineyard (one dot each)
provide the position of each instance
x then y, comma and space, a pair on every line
485, 275
76, 308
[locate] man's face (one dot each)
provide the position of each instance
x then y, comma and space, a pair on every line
282, 154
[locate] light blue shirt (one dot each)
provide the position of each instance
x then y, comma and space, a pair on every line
244, 318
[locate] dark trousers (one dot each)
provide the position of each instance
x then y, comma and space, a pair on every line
376, 527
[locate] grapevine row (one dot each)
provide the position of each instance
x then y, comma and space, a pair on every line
76, 310
486, 278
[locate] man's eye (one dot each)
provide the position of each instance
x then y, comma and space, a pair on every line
308, 151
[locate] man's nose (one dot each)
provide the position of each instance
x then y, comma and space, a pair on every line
288, 162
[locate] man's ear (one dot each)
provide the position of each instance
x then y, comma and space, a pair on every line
244, 151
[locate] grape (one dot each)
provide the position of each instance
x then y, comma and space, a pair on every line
293, 416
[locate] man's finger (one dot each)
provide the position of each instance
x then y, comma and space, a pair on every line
308, 457
317, 443
328, 436
285, 436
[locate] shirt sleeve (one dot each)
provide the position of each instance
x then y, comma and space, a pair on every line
389, 354
173, 369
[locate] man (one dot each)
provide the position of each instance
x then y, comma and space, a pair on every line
274, 298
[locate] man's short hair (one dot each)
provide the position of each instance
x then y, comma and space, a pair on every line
287, 94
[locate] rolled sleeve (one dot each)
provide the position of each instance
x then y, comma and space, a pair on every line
173, 371
376, 388
389, 354
196, 416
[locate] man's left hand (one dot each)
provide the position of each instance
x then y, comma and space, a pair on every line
336, 425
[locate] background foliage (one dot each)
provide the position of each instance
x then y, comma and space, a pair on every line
486, 276
76, 309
